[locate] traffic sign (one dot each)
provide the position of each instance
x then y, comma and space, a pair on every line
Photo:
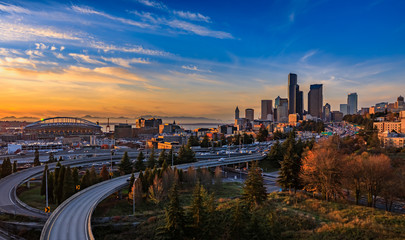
77, 187
48, 209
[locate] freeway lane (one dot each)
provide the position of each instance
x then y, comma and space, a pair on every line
72, 219
9, 203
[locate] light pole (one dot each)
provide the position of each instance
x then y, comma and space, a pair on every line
111, 152
172, 156
133, 197
46, 186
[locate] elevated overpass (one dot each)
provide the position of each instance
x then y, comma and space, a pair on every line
72, 219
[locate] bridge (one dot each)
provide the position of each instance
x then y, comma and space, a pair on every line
72, 219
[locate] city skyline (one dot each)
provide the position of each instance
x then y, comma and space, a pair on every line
150, 57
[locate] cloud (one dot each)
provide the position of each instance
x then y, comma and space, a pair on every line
130, 49
85, 58
9, 52
193, 68
87, 10
125, 62
62, 48
53, 48
308, 55
199, 30
192, 16
154, 4
40, 46
14, 62
34, 53
21, 32
4, 7
60, 56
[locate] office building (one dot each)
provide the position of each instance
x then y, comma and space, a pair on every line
337, 116
282, 110
292, 93
327, 113
250, 114
352, 103
344, 108
315, 100
267, 110
388, 126
400, 103
300, 102
237, 113
148, 123
122, 131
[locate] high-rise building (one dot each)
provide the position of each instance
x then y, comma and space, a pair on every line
237, 113
282, 110
292, 93
315, 100
344, 108
267, 110
327, 113
300, 102
352, 103
250, 114
400, 103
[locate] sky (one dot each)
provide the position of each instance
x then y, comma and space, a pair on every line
194, 58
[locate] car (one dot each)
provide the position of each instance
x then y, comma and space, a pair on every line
221, 159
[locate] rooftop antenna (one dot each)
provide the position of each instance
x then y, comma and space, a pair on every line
107, 129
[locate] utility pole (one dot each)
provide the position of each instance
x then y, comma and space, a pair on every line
133, 198
172, 156
46, 186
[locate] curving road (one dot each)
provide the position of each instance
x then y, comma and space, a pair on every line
72, 219
9, 202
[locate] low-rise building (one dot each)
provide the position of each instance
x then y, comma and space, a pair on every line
388, 126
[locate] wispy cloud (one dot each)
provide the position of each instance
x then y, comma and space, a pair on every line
192, 16
22, 32
85, 58
154, 4
199, 30
129, 49
193, 68
4, 7
308, 55
125, 62
87, 10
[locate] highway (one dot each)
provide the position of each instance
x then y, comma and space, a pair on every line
9, 203
72, 219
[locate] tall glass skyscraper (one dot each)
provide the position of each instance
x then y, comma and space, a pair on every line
315, 100
352, 103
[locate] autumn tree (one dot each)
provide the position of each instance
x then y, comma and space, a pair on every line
104, 173
152, 159
353, 175
137, 187
156, 191
85, 181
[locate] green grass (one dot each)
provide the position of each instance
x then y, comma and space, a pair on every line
33, 198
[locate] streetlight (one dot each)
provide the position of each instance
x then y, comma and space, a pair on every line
111, 164
133, 197
46, 186
172, 156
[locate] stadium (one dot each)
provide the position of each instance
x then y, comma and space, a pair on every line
62, 126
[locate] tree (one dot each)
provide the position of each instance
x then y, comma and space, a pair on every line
322, 171
193, 141
289, 176
254, 192
276, 154
151, 160
131, 182
104, 173
218, 178
59, 189
262, 135
14, 166
186, 155
174, 216
171, 157
162, 157
43, 182
353, 175
137, 187
156, 192
205, 142
93, 176
85, 182
68, 184
198, 212
6, 168
139, 166
75, 176
51, 184
36, 158
51, 158
125, 166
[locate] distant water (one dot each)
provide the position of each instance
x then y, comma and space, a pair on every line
186, 126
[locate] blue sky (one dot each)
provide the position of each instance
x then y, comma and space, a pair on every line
194, 58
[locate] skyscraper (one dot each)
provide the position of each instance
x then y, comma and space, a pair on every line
250, 114
327, 113
352, 103
267, 110
282, 109
292, 93
300, 102
344, 108
237, 113
315, 100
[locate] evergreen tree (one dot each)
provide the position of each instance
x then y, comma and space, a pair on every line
51, 184
104, 173
186, 155
193, 141
36, 158
254, 192
14, 166
162, 157
51, 158
85, 182
6, 168
237, 226
205, 142
174, 216
139, 162
59, 193
60, 159
75, 176
152, 159
199, 212
131, 182
262, 135
56, 178
68, 184
125, 166
276, 155
290, 166
170, 156
43, 183
93, 176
